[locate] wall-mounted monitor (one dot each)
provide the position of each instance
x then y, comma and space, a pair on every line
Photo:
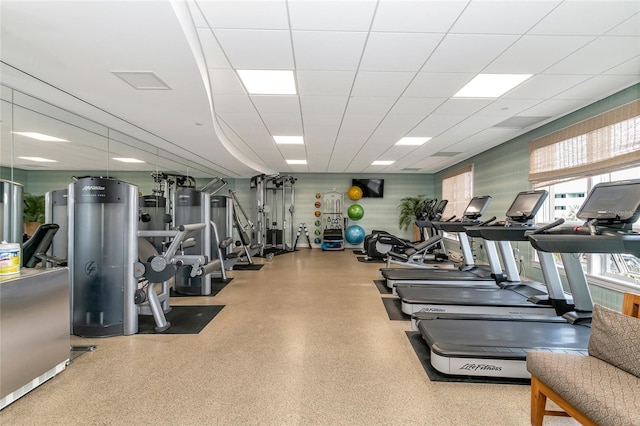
371, 188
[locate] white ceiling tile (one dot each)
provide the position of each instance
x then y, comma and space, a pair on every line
545, 86
505, 107
631, 67
596, 17
462, 106
214, 56
467, 53
433, 125
501, 17
377, 106
288, 104
327, 50
322, 121
225, 82
599, 87
534, 54
421, 106
283, 124
325, 83
257, 49
323, 104
618, 50
630, 27
198, 19
398, 51
416, 16
437, 85
262, 14
331, 15
554, 108
381, 83
241, 120
490, 135
292, 152
233, 104
399, 125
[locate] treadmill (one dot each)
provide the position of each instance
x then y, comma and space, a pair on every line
511, 297
468, 273
497, 346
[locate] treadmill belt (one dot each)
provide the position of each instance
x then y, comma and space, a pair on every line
502, 339
435, 274
488, 296
424, 355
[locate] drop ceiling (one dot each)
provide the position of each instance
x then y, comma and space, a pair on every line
367, 74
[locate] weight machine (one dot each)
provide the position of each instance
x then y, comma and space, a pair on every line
273, 233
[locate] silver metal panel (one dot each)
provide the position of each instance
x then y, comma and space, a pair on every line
11, 211
34, 325
56, 211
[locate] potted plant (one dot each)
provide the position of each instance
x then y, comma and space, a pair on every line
411, 209
33, 212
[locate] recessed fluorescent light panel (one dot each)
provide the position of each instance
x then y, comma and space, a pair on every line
268, 82
289, 140
40, 136
128, 160
382, 163
296, 161
415, 141
38, 159
491, 85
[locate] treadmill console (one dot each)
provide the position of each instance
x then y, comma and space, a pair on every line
525, 207
476, 207
612, 205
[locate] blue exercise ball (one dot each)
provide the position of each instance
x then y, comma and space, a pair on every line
354, 234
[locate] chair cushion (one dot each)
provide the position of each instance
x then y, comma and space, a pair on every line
615, 339
604, 393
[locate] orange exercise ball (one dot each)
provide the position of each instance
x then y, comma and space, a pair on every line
318, 213
354, 193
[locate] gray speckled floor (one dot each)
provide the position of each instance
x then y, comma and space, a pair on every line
304, 341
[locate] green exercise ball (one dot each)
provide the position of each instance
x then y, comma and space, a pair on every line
355, 212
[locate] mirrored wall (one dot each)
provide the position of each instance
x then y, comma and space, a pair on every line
43, 146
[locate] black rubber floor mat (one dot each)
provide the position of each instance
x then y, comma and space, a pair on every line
365, 260
247, 267
394, 309
381, 285
424, 355
183, 319
216, 286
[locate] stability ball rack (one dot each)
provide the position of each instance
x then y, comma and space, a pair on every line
274, 208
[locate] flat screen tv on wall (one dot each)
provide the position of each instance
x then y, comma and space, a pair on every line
371, 188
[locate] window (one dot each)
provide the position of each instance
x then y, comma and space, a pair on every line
457, 188
568, 163
560, 204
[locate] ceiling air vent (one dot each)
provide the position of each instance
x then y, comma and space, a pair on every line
411, 169
445, 154
520, 122
142, 80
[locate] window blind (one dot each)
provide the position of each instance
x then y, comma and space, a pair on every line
603, 143
457, 188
